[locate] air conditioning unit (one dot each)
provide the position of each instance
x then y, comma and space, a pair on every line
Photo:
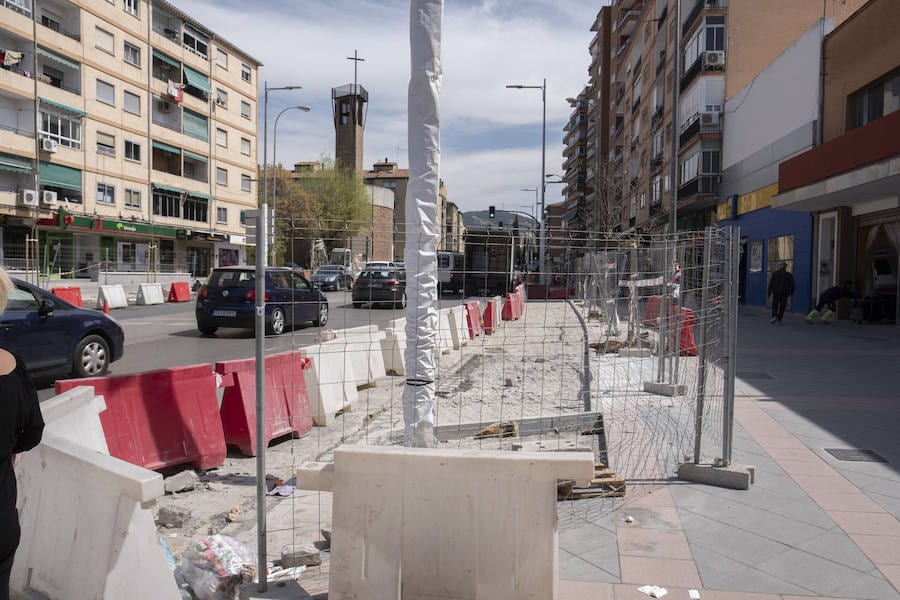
709, 118
28, 197
164, 106
48, 145
714, 59
48, 198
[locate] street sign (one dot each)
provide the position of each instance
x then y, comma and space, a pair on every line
250, 220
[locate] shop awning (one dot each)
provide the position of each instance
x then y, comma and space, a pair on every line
166, 147
168, 188
16, 164
56, 57
54, 175
195, 156
196, 79
61, 106
199, 195
195, 125
166, 59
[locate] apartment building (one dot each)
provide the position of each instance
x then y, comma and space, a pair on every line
723, 45
127, 138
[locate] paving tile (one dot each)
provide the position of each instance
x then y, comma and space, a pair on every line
655, 497
653, 517
764, 523
574, 568
742, 546
583, 590
849, 502
805, 510
659, 543
882, 549
780, 454
724, 574
837, 547
629, 591
811, 572
807, 467
866, 523
720, 595
696, 525
659, 571
869, 586
892, 573
579, 540
606, 559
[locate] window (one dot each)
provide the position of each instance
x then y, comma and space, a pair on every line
130, 6
106, 93
245, 183
780, 249
106, 194
245, 146
132, 198
689, 168
66, 130
709, 162
643, 199
132, 151
132, 103
655, 190
657, 149
221, 176
106, 144
132, 54
195, 42
104, 41
195, 125
874, 101
245, 109
195, 209
221, 98
166, 204
246, 72
221, 138
221, 214
221, 58
50, 21
715, 33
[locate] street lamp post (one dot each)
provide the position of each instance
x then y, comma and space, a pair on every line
275, 169
260, 345
533, 206
543, 88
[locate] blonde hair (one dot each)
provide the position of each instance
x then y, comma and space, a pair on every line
6, 286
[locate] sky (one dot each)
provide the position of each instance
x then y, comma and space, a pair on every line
490, 135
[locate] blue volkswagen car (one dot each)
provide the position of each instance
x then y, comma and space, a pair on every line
52, 335
229, 300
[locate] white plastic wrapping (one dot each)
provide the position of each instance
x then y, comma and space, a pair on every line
420, 253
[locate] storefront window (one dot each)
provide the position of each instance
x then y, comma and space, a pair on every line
167, 256
781, 249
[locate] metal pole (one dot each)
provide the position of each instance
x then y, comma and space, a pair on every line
543, 244
677, 281
663, 319
703, 334
731, 343
260, 345
676, 59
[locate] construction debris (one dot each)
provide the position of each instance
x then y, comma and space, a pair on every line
499, 430
605, 484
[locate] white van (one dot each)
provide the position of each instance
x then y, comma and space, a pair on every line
451, 271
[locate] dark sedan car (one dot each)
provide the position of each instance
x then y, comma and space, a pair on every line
331, 277
52, 335
387, 285
229, 300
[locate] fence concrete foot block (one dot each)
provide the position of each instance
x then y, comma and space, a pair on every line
664, 389
635, 352
734, 476
276, 591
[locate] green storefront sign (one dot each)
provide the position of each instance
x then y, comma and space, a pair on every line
67, 220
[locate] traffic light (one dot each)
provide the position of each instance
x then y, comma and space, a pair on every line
491, 211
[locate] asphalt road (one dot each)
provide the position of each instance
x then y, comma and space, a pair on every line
166, 335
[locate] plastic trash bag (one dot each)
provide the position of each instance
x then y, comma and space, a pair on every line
216, 566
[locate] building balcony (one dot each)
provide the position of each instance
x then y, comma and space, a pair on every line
657, 115
690, 74
692, 17
626, 22
700, 192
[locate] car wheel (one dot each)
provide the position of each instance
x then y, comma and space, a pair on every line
91, 357
323, 315
402, 302
207, 329
276, 322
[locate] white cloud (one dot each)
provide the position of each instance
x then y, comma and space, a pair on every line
491, 134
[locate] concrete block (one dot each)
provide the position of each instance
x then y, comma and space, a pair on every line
300, 555
114, 295
174, 516
635, 352
150, 293
289, 590
459, 331
664, 389
181, 482
362, 346
386, 538
330, 383
393, 346
734, 476
444, 342
75, 416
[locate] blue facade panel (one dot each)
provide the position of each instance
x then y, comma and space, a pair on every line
768, 223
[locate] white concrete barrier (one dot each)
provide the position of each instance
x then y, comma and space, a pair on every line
88, 531
331, 382
150, 293
114, 295
392, 348
362, 345
459, 329
385, 537
444, 339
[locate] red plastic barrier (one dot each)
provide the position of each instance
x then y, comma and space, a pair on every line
72, 295
510, 311
287, 403
686, 345
491, 316
180, 292
160, 418
653, 310
473, 319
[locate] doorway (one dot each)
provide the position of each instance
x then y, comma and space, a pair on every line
826, 252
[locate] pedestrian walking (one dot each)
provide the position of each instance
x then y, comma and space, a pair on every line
781, 288
21, 427
829, 299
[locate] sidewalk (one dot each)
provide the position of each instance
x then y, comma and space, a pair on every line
811, 525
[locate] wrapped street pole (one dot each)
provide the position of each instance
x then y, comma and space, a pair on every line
420, 253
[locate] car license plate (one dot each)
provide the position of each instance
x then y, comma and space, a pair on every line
224, 313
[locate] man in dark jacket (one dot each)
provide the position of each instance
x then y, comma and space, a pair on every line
829, 298
781, 287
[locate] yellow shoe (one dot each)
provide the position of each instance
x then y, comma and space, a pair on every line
811, 316
827, 316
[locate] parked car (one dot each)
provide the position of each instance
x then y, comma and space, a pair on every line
52, 335
374, 286
379, 264
331, 277
229, 300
